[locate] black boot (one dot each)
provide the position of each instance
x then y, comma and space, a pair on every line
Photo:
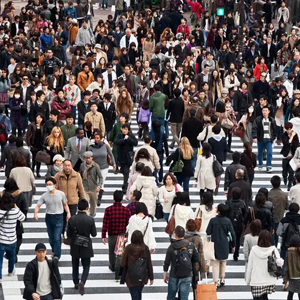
100, 197
285, 180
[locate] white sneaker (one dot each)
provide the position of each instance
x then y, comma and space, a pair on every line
11, 274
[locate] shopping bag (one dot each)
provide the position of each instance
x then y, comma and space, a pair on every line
209, 250
293, 165
120, 245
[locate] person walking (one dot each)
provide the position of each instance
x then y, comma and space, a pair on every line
92, 180
55, 143
157, 104
115, 220
81, 225
42, 279
180, 276
248, 159
56, 167
135, 251
261, 281
56, 203
221, 231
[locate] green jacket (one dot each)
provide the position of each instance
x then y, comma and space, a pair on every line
157, 104
68, 132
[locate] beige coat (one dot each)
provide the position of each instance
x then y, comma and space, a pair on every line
153, 155
23, 177
96, 120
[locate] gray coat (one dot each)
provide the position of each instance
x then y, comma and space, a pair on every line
72, 151
94, 178
219, 237
100, 152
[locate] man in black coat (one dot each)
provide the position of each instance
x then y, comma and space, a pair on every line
176, 17
251, 54
83, 225
268, 52
16, 26
108, 111
174, 115
31, 276
246, 191
54, 113
231, 170
260, 87
181, 51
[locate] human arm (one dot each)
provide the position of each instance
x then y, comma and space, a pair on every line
80, 187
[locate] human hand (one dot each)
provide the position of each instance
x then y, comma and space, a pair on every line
114, 168
254, 140
126, 137
68, 216
36, 217
166, 279
110, 143
151, 282
97, 189
153, 251
35, 296
104, 241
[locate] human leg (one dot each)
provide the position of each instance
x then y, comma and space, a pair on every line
93, 201
86, 262
215, 264
269, 149
260, 148
184, 287
111, 251
172, 288
57, 223
75, 270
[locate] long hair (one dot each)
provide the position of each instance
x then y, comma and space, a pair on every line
142, 153
127, 101
248, 148
56, 142
186, 148
137, 239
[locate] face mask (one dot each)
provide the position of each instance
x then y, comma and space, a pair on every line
251, 110
17, 96
50, 188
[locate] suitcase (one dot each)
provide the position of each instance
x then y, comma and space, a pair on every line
206, 291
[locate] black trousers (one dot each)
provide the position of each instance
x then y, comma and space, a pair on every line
290, 296
34, 162
202, 192
111, 251
73, 211
237, 243
125, 171
287, 171
86, 262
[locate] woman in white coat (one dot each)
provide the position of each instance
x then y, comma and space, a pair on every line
258, 277
204, 173
146, 184
205, 212
142, 156
140, 221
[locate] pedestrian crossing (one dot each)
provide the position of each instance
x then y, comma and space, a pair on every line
101, 281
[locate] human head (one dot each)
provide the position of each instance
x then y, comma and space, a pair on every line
141, 208
10, 185
264, 239
40, 252
222, 209
169, 178
67, 166
19, 142
260, 200
79, 133
118, 196
184, 198
136, 195
179, 233
236, 157
83, 205
236, 193
191, 225
88, 155
294, 207
239, 174
7, 201
255, 227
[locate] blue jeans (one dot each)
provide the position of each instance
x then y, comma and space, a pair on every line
194, 161
136, 292
65, 50
182, 285
73, 111
184, 182
54, 228
260, 148
161, 171
10, 250
166, 217
161, 119
104, 3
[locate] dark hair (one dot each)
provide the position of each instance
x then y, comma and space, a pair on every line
142, 153
147, 139
288, 125
206, 150
208, 200
147, 171
157, 87
137, 194
248, 148
294, 207
255, 227
137, 239
12, 139
184, 198
141, 208
54, 112
10, 185
260, 200
275, 181
192, 112
213, 119
172, 177
222, 209
19, 142
177, 93
297, 177
118, 196
83, 204
236, 157
264, 239
180, 232
7, 201
126, 126
191, 225
264, 191
20, 161
216, 129
295, 111
39, 94
139, 166
70, 116
236, 193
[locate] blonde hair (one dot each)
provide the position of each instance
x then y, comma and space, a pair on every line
53, 141
186, 149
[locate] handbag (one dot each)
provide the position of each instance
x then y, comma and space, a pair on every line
120, 245
159, 214
227, 123
293, 164
178, 166
81, 240
273, 269
171, 224
44, 157
198, 221
109, 160
239, 131
217, 168
209, 250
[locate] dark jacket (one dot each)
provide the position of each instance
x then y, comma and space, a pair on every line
229, 58
280, 201
58, 51
188, 170
230, 174
50, 124
31, 276
245, 187
218, 228
218, 148
191, 129
30, 136
175, 110
125, 147
109, 115
264, 52
241, 101
131, 254
4, 157
171, 255
236, 205
287, 146
86, 7
14, 28
181, 53
82, 110
12, 156
36, 109
85, 226
260, 88
263, 214
249, 162
258, 130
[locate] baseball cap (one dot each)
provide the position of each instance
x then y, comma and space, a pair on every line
40, 247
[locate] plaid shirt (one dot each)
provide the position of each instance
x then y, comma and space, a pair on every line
132, 207
115, 219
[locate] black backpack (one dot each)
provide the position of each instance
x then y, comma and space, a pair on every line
289, 232
138, 270
183, 262
235, 215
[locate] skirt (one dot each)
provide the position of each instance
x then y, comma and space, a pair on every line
258, 291
294, 286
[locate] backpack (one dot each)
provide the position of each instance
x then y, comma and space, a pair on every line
3, 131
193, 17
289, 232
138, 270
183, 262
236, 216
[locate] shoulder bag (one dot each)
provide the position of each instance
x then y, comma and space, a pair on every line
44, 157
80, 240
171, 224
217, 168
273, 269
198, 220
178, 166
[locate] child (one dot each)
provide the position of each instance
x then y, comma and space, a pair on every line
132, 178
143, 119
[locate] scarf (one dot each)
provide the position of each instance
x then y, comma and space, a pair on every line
57, 168
86, 169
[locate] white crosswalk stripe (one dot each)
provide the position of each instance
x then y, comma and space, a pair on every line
101, 281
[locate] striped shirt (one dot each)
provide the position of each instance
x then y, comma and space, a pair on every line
266, 127
8, 225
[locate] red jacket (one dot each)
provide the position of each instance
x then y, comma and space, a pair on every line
64, 108
196, 8
185, 30
256, 71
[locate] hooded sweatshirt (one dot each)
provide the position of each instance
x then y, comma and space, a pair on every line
257, 271
143, 224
